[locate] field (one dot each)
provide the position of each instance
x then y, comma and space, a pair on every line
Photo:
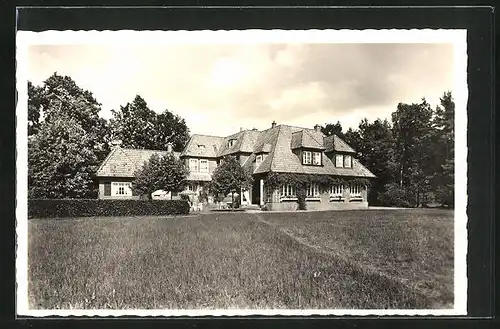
347, 259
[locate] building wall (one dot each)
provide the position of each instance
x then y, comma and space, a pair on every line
244, 157
212, 163
315, 205
103, 180
323, 203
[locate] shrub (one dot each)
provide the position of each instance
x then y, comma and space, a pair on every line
397, 196
60, 208
160, 173
236, 201
202, 196
185, 197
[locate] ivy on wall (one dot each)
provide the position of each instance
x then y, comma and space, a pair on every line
300, 181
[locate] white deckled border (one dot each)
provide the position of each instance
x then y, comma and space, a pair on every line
460, 92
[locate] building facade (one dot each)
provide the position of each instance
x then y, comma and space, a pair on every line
279, 150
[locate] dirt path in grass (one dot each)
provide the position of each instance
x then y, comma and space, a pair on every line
365, 268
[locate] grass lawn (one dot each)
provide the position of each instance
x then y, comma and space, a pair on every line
414, 247
357, 259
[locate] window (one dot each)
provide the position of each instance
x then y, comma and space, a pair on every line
121, 189
193, 164
287, 191
107, 188
356, 191
339, 160
203, 165
200, 146
336, 190
312, 190
192, 187
258, 159
306, 157
317, 159
347, 161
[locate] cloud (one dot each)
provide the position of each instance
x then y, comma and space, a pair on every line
219, 88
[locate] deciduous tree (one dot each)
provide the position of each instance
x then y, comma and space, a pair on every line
34, 108
333, 129
230, 177
59, 164
60, 112
375, 145
138, 126
160, 172
61, 96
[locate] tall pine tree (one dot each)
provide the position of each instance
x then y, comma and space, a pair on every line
444, 143
412, 131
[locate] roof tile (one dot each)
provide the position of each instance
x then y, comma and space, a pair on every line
203, 146
278, 142
123, 162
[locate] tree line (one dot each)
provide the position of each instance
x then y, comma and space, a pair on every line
412, 155
68, 140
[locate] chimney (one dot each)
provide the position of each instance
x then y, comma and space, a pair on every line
169, 147
241, 128
273, 124
116, 143
254, 129
317, 128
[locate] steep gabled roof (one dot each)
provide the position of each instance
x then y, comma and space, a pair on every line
282, 159
335, 143
278, 142
244, 141
210, 149
305, 139
123, 162
270, 137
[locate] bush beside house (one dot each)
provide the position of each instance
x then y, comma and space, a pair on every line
46, 208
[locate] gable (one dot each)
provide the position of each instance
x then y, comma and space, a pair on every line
203, 146
334, 143
244, 142
122, 162
306, 139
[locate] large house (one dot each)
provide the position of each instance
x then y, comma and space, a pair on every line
279, 149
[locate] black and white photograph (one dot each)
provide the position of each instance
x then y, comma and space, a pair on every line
242, 172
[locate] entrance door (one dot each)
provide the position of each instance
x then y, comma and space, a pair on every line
256, 191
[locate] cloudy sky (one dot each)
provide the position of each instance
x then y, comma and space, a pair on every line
220, 88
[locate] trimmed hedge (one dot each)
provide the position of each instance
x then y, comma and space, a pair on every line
60, 208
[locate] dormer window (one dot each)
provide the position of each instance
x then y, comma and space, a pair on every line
311, 158
231, 142
201, 146
316, 158
347, 161
343, 161
258, 159
339, 160
306, 157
